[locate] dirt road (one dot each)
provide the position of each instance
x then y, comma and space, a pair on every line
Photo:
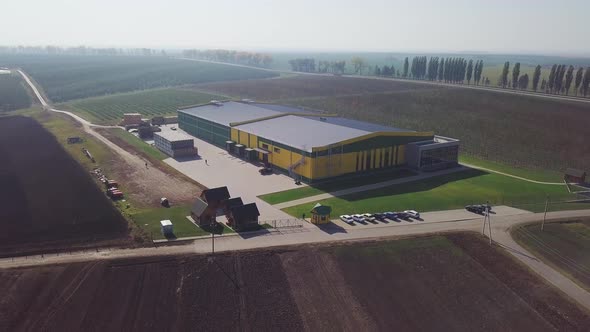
149, 183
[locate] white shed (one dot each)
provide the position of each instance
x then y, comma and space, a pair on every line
167, 228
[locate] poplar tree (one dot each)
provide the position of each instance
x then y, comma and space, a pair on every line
536, 77
579, 76
504, 76
569, 76
406, 67
469, 71
441, 69
551, 80
515, 75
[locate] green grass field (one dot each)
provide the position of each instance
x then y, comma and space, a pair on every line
13, 94
452, 191
339, 184
564, 245
149, 220
109, 109
536, 175
67, 77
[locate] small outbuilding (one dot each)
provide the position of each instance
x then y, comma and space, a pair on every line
574, 175
320, 214
167, 228
209, 205
243, 217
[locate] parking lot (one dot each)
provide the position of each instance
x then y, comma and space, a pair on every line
433, 217
215, 167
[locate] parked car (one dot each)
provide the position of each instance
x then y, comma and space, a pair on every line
358, 218
391, 215
475, 208
403, 215
265, 170
412, 214
173, 128
379, 216
347, 219
369, 217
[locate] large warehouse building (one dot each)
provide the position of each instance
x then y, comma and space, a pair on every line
312, 146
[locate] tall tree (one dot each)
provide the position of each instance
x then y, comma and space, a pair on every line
469, 71
358, 63
406, 67
586, 82
551, 80
515, 75
543, 84
504, 76
569, 76
441, 69
536, 77
579, 75
559, 79
523, 82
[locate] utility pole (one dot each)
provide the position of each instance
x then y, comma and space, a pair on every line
487, 219
545, 214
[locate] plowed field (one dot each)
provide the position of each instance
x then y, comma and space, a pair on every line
447, 283
47, 197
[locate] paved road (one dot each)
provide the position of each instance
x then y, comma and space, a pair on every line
373, 186
500, 233
459, 86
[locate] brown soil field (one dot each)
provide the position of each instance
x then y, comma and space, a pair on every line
144, 186
307, 86
453, 282
49, 198
522, 131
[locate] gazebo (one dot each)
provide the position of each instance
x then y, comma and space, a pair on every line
320, 214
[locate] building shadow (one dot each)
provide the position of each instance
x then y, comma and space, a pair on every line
188, 158
252, 233
332, 228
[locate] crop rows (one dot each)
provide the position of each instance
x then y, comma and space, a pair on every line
66, 78
110, 109
12, 93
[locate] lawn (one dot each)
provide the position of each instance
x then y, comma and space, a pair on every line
149, 220
563, 245
333, 185
531, 174
135, 142
69, 77
109, 110
12, 93
446, 192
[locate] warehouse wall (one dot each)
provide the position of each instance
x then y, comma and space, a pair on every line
211, 132
362, 154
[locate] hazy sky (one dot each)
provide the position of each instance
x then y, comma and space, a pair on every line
517, 26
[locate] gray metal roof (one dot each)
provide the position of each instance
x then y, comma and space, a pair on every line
229, 112
340, 121
300, 132
174, 136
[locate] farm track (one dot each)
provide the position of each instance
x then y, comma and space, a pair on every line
150, 182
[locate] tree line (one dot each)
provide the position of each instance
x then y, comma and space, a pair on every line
230, 56
308, 65
458, 70
81, 50
559, 81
